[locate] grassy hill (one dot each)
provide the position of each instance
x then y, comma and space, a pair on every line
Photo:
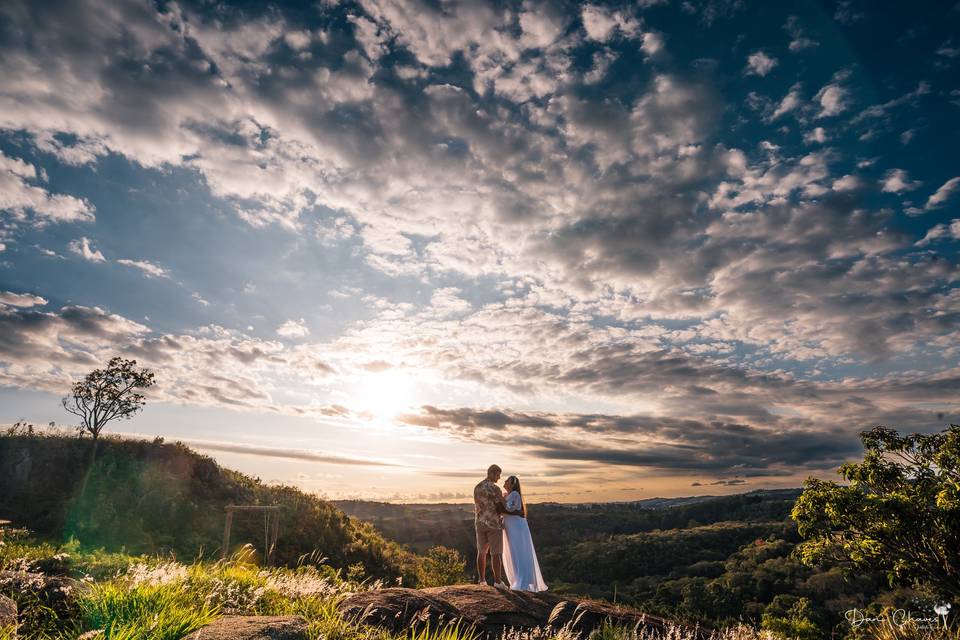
152, 497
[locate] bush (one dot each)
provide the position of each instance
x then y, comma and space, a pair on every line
441, 566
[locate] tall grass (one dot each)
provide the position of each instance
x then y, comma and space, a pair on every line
154, 611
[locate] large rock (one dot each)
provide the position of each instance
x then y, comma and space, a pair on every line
8, 613
491, 611
397, 609
56, 592
253, 628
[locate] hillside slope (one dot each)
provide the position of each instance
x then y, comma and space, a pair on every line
151, 497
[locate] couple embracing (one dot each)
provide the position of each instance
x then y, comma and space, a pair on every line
502, 531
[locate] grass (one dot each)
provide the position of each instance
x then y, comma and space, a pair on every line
143, 598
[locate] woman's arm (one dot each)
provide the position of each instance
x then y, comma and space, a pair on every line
514, 504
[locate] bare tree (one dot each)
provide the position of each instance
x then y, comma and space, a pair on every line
108, 394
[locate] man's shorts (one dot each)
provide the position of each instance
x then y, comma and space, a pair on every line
490, 536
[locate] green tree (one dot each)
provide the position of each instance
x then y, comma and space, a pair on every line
900, 512
791, 617
441, 566
108, 394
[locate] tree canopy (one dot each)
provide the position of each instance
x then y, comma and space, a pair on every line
108, 394
899, 513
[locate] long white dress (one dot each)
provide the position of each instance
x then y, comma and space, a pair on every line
519, 556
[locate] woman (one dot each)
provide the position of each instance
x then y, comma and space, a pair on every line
519, 556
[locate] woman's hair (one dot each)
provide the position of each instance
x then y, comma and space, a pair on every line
515, 483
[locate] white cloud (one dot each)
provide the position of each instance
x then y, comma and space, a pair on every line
940, 232
84, 248
817, 135
602, 23
653, 43
760, 63
148, 268
293, 329
944, 193
847, 183
798, 41
833, 99
21, 299
297, 39
540, 26
19, 196
791, 102
948, 50
897, 181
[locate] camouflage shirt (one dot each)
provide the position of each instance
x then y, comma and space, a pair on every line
486, 495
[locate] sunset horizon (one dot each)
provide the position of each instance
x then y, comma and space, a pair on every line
622, 250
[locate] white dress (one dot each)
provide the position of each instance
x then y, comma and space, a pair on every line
519, 556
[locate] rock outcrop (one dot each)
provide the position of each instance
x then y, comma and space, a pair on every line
490, 610
253, 628
8, 612
56, 592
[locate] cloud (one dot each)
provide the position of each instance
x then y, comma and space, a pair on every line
817, 135
897, 181
834, 99
84, 248
287, 454
943, 194
760, 63
148, 268
293, 329
19, 195
653, 43
798, 41
605, 236
940, 232
948, 50
21, 299
848, 183
602, 23
648, 442
791, 102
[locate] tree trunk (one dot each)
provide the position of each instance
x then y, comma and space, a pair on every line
89, 469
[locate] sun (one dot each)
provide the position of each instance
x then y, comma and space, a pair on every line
385, 395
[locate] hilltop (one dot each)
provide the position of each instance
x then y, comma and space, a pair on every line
155, 497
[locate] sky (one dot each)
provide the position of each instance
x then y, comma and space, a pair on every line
624, 250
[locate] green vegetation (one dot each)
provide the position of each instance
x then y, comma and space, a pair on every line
900, 512
723, 562
152, 497
153, 598
441, 566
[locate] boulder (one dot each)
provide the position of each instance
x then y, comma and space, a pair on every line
397, 609
582, 617
491, 611
8, 613
253, 628
56, 592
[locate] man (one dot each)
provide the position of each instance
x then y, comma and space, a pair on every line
488, 505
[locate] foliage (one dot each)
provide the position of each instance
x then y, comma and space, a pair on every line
441, 566
900, 512
157, 611
791, 617
158, 498
450, 631
108, 394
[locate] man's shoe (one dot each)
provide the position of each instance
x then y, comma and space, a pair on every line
483, 583
500, 585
